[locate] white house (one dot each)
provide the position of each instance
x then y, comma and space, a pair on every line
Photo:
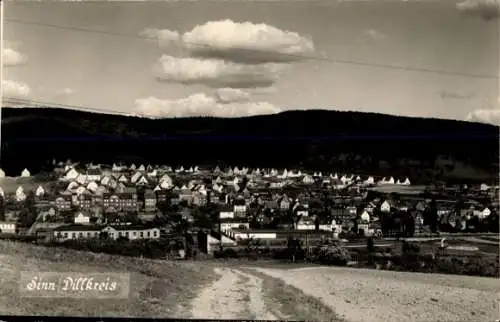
72, 174
142, 168
365, 216
2, 174
20, 195
229, 225
370, 180
406, 182
7, 227
82, 219
136, 177
92, 186
123, 178
484, 187
142, 181
80, 190
132, 232
307, 179
25, 173
39, 191
226, 213
390, 181
72, 185
81, 179
385, 206
485, 213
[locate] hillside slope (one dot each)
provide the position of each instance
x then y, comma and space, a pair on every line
319, 139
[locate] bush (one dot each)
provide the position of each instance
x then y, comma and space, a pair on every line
226, 253
330, 254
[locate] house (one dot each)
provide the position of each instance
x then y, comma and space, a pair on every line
85, 201
142, 181
135, 177
71, 174
94, 175
301, 210
149, 200
82, 219
123, 179
75, 231
239, 206
385, 206
228, 224
370, 180
7, 227
2, 174
284, 203
111, 202
128, 198
20, 195
226, 212
25, 173
131, 232
39, 192
307, 179
81, 179
63, 202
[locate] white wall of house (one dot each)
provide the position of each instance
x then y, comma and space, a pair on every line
233, 225
242, 235
82, 219
7, 227
226, 214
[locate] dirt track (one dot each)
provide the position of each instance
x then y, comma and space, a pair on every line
236, 295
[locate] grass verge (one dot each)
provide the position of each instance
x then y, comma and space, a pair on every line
157, 288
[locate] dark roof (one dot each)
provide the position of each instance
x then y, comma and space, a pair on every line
75, 227
94, 171
132, 227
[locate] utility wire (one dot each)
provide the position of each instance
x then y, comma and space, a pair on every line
317, 58
22, 102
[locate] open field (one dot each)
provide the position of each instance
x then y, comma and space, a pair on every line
389, 188
374, 295
158, 288
10, 184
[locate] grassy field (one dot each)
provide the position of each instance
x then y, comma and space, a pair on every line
10, 184
387, 296
158, 288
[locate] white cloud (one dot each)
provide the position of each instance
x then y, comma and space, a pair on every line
374, 34
163, 36
486, 9
65, 92
200, 105
455, 95
216, 73
12, 57
491, 116
12, 89
227, 95
485, 116
243, 42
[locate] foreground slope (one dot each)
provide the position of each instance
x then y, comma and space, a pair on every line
360, 295
319, 139
158, 288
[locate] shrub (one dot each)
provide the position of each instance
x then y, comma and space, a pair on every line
330, 254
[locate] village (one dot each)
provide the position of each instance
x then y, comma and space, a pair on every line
232, 205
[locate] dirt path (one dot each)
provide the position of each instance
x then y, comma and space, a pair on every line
236, 295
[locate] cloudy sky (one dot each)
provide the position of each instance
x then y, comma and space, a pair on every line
236, 58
